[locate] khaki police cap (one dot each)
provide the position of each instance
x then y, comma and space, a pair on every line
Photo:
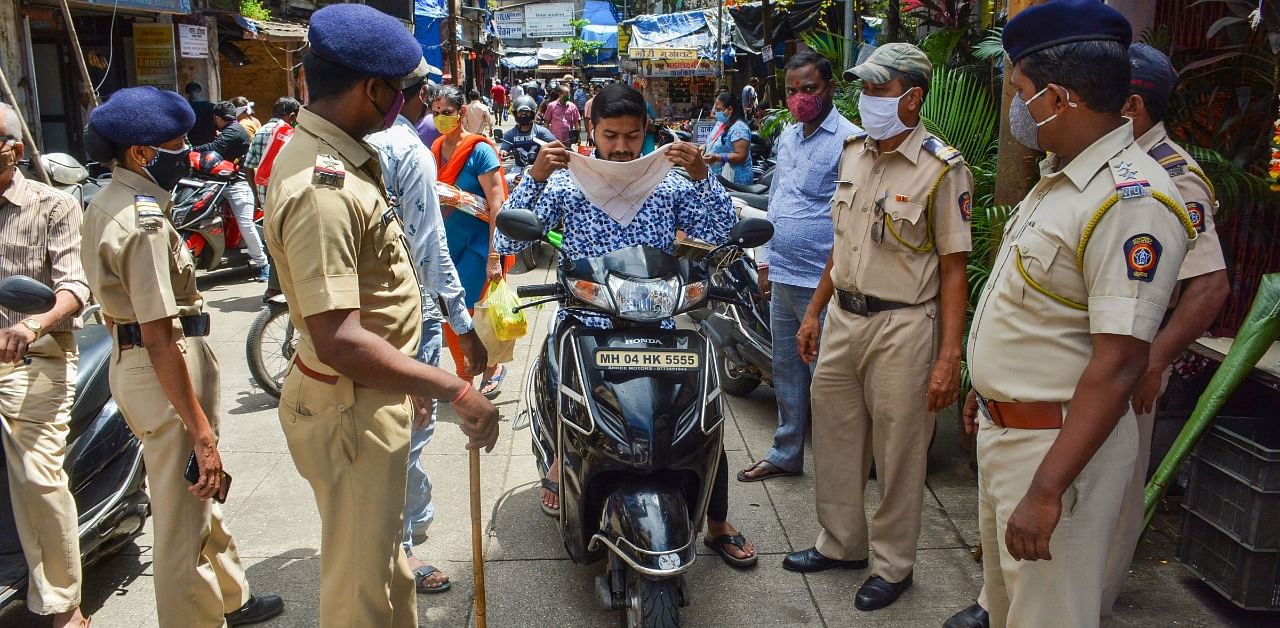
888, 59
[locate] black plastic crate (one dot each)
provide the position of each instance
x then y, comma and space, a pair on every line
1249, 515
1248, 577
1246, 447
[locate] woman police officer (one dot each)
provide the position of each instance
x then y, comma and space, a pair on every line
163, 374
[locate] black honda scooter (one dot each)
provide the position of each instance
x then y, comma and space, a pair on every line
633, 412
103, 459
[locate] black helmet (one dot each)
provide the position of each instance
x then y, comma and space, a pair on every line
525, 102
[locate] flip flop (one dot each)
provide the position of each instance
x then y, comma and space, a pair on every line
495, 381
737, 540
771, 471
420, 576
554, 488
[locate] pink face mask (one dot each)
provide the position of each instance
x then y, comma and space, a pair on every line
805, 107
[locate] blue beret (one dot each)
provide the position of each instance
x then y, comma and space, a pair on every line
142, 116
1060, 22
1150, 73
364, 39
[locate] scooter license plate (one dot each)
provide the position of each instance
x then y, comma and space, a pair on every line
648, 360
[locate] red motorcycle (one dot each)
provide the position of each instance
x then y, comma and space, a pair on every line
203, 216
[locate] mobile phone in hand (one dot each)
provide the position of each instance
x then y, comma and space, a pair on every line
192, 475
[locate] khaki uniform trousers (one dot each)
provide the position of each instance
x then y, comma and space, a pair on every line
868, 400
1133, 513
352, 444
198, 573
1065, 591
35, 407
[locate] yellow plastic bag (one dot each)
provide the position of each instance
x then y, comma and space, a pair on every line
501, 300
500, 351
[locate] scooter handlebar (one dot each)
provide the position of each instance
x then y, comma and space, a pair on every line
538, 290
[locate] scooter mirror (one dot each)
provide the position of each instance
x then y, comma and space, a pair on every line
523, 225
751, 232
25, 295
497, 134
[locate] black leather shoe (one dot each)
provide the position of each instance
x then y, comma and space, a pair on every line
973, 617
877, 593
259, 608
811, 560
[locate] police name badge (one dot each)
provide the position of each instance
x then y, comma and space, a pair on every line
328, 171
150, 216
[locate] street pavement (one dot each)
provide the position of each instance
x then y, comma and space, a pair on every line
530, 580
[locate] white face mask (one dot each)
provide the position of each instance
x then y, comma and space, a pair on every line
880, 116
620, 188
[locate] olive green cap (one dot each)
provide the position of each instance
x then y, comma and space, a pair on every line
890, 58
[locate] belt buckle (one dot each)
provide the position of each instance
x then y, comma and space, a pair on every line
854, 303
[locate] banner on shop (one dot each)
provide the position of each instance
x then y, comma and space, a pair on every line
193, 41
675, 69
153, 58
511, 31
550, 19
667, 54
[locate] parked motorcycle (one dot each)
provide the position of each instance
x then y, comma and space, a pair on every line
103, 458
203, 216
270, 344
633, 413
68, 175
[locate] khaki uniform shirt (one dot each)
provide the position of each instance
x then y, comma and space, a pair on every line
137, 264
336, 242
40, 238
1027, 346
1206, 257
893, 189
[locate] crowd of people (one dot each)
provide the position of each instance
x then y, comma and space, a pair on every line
865, 278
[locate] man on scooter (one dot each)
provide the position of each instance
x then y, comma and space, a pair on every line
525, 139
233, 143
36, 395
697, 205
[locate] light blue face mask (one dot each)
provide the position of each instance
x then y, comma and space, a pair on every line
722, 117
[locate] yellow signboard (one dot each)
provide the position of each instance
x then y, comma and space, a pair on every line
153, 56
665, 54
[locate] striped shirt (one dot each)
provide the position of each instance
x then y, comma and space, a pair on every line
40, 238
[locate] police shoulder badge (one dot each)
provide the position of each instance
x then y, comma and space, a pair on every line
1195, 211
1169, 159
150, 216
1141, 256
936, 147
966, 206
857, 136
328, 171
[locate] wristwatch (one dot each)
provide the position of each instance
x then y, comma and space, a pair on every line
34, 325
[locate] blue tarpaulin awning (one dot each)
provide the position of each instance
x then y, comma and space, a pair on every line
520, 62
608, 35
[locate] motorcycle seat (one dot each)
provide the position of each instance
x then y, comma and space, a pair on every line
92, 388
754, 188
758, 201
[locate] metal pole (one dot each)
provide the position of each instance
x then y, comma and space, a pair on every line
850, 36
452, 37
30, 142
771, 81
723, 84
75, 45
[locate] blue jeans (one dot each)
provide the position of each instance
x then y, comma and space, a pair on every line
419, 511
791, 376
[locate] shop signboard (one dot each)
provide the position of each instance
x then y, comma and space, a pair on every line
666, 54
702, 130
153, 55
510, 23
161, 6
193, 41
675, 69
549, 19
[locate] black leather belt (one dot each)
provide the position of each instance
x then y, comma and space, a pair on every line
129, 335
864, 304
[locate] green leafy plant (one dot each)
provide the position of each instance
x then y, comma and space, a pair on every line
579, 48
254, 10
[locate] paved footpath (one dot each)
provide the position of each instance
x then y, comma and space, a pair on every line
531, 581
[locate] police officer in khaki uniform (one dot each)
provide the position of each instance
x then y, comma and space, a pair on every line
40, 238
345, 267
164, 376
1061, 334
890, 349
1203, 287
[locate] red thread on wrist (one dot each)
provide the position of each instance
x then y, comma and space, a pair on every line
461, 394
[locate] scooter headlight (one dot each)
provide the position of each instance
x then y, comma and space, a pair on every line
592, 292
645, 299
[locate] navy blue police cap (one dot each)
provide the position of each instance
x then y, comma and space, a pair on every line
1060, 22
363, 39
142, 116
1151, 75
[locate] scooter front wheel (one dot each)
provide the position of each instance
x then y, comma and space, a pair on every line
270, 346
652, 603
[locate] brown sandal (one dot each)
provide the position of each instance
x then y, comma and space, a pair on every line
770, 471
